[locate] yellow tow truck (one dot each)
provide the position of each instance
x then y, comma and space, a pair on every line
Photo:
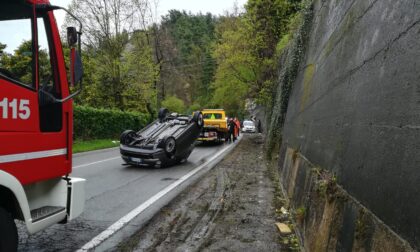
215, 125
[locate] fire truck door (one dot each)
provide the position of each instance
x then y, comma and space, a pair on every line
33, 133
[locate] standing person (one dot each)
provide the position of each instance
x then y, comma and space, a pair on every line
227, 136
259, 126
231, 130
238, 127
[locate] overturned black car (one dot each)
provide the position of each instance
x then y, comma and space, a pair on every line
167, 141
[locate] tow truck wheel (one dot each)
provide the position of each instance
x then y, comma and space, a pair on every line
8, 232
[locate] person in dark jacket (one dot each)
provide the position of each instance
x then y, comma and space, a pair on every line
231, 130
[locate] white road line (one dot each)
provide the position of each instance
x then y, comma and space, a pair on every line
134, 213
97, 162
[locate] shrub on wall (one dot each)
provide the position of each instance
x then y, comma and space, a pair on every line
291, 57
92, 123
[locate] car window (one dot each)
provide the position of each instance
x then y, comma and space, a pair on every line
248, 123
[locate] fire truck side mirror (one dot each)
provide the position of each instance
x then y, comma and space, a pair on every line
71, 36
76, 67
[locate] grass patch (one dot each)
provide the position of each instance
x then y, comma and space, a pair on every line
90, 145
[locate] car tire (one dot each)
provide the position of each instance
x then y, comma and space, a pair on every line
198, 119
8, 232
127, 136
163, 113
170, 145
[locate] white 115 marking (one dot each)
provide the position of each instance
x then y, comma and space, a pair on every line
23, 113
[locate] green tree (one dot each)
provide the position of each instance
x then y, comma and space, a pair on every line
194, 107
109, 26
246, 52
188, 66
20, 63
199, 59
142, 74
174, 104
2, 47
267, 21
237, 69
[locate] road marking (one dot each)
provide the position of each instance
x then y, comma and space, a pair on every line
134, 213
97, 162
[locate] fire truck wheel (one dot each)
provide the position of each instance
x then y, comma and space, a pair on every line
8, 232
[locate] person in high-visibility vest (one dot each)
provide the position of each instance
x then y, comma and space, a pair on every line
237, 128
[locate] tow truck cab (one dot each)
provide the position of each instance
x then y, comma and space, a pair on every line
36, 120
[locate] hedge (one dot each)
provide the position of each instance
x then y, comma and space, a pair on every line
93, 123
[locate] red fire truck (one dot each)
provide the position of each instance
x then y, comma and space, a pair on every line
36, 119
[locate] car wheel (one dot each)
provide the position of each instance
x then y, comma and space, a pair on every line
163, 113
198, 119
170, 145
8, 232
127, 136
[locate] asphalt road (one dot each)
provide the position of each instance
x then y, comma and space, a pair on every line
112, 191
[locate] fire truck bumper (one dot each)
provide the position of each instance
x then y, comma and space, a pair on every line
76, 202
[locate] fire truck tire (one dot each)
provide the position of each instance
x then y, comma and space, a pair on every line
8, 232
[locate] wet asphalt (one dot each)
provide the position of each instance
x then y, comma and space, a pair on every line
112, 191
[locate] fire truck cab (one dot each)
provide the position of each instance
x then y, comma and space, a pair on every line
36, 120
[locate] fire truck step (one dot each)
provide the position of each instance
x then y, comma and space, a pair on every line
44, 212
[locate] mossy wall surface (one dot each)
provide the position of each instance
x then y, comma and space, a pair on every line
354, 106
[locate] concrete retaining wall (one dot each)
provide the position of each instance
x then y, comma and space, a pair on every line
355, 109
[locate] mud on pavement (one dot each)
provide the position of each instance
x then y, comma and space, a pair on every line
229, 209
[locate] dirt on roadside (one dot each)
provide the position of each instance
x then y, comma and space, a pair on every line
230, 209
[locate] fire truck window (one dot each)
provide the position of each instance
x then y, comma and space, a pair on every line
16, 57
45, 62
50, 111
